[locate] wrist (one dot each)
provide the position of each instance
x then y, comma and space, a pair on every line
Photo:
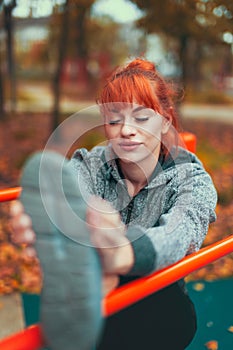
124, 259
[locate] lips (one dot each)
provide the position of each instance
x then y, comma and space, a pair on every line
129, 146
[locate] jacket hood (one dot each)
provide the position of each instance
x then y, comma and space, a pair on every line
178, 162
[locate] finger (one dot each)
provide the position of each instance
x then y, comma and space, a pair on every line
100, 213
21, 221
107, 238
109, 282
29, 252
101, 206
92, 217
26, 236
16, 208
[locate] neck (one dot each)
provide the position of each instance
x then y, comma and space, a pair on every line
137, 174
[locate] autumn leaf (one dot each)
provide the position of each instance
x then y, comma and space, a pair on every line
212, 345
199, 286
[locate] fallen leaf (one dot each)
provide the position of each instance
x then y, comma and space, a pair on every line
199, 286
212, 345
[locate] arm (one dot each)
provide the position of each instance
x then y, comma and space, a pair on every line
108, 237
181, 229
178, 232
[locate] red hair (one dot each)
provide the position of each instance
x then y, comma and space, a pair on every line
139, 82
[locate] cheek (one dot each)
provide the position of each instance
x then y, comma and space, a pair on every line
111, 132
107, 131
154, 131
157, 129
153, 142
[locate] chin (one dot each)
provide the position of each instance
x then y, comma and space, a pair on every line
132, 159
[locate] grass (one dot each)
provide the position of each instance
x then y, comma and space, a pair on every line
213, 158
208, 96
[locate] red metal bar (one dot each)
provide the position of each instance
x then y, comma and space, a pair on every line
128, 294
134, 291
122, 297
31, 338
28, 339
8, 194
190, 140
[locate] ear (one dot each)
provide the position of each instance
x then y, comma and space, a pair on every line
165, 126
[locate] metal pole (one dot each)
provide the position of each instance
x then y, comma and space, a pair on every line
9, 194
129, 294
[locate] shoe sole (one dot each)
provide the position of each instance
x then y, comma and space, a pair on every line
70, 311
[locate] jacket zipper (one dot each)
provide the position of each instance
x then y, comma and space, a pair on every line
129, 212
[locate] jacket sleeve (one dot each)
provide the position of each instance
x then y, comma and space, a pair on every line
181, 229
80, 162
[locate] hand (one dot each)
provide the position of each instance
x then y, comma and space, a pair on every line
108, 236
109, 283
21, 224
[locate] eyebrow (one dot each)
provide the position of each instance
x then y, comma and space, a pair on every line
138, 109
114, 110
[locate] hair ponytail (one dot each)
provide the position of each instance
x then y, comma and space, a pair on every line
140, 82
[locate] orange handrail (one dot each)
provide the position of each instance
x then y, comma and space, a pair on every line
134, 291
8, 194
31, 338
190, 140
138, 289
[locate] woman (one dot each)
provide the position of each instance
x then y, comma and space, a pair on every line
151, 204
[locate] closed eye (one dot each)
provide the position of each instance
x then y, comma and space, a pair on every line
142, 119
113, 119
114, 122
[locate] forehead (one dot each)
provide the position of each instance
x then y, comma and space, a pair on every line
124, 107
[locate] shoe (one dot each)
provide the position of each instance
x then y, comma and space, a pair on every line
70, 311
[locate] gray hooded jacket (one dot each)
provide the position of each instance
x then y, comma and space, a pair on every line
169, 218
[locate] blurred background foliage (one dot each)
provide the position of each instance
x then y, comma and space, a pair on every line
70, 46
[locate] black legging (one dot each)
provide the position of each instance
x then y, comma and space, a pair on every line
165, 320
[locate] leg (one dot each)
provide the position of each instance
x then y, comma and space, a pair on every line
165, 320
70, 311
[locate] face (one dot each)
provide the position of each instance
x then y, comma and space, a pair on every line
134, 131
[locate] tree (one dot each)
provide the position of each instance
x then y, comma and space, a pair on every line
61, 55
72, 41
8, 24
2, 96
198, 22
105, 39
81, 10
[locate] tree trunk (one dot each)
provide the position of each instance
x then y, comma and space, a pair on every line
81, 47
2, 109
10, 51
57, 76
195, 59
2, 96
184, 59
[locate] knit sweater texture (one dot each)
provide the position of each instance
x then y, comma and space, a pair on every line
168, 219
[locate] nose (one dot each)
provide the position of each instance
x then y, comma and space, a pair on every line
128, 129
